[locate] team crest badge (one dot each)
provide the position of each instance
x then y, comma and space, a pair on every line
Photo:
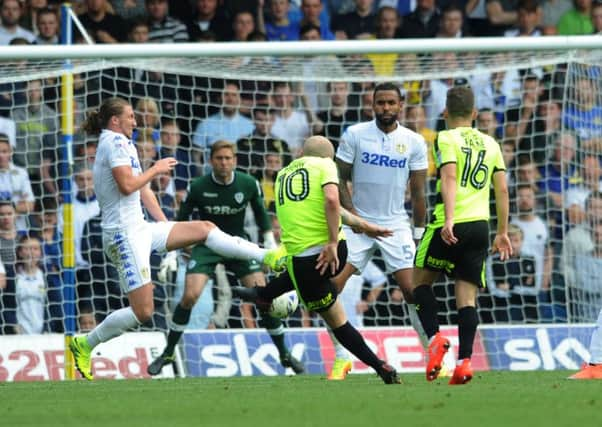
400, 148
191, 264
145, 273
239, 197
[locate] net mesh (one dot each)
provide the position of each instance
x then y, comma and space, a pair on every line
544, 108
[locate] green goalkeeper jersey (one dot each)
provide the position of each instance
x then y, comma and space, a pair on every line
477, 157
225, 205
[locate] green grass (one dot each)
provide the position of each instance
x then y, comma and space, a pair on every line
508, 399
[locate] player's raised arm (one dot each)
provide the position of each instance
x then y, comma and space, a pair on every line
501, 243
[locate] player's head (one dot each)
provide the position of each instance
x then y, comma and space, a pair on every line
6, 151
318, 146
115, 114
459, 104
515, 234
223, 159
387, 103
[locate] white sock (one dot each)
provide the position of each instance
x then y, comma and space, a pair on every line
595, 346
417, 325
232, 246
340, 351
114, 325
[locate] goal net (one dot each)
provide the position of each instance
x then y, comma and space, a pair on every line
544, 107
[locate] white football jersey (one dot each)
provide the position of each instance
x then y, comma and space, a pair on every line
118, 210
381, 169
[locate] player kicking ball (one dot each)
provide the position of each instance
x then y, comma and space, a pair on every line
309, 212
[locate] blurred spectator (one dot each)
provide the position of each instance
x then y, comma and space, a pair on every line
243, 24
288, 124
86, 321
130, 9
278, 27
577, 21
476, 13
415, 119
576, 195
316, 93
547, 122
597, 17
251, 149
311, 13
552, 10
8, 129
8, 233
37, 134
44, 224
11, 12
186, 169
535, 237
15, 185
583, 114
513, 280
527, 24
387, 27
208, 17
423, 22
30, 287
228, 124
102, 26
139, 32
164, 28
147, 117
338, 116
29, 14
146, 148
352, 297
555, 177
47, 22
502, 15
85, 206
356, 24
487, 123
163, 187
520, 118
452, 22
8, 254
367, 106
581, 253
106, 295
273, 162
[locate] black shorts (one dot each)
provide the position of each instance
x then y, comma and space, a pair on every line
316, 292
465, 260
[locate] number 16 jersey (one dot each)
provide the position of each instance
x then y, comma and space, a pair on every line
477, 157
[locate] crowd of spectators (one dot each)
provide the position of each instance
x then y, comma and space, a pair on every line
547, 119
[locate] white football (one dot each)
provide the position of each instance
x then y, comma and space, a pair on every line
284, 305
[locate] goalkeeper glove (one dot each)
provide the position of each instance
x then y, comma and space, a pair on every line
169, 264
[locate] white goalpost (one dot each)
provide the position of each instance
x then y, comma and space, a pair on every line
540, 97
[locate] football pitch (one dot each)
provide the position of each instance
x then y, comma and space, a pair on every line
508, 399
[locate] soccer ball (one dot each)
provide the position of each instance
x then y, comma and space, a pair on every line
284, 305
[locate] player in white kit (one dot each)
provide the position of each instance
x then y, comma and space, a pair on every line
378, 159
120, 185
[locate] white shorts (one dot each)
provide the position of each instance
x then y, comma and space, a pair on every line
397, 251
129, 249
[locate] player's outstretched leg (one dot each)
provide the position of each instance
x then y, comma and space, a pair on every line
342, 363
593, 370
275, 329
